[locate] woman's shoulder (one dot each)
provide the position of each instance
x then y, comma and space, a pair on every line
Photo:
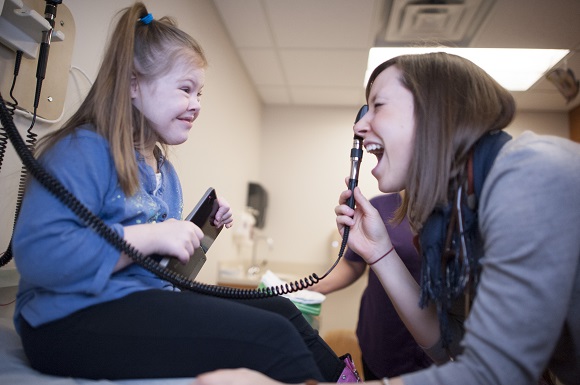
533, 166
543, 145
539, 153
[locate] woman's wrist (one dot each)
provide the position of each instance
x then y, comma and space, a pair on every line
389, 251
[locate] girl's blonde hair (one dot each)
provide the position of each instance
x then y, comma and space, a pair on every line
135, 49
456, 103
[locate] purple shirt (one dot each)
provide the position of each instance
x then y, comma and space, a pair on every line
387, 346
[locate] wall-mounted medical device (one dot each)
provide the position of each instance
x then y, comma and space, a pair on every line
23, 27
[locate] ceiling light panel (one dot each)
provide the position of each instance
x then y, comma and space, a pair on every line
516, 69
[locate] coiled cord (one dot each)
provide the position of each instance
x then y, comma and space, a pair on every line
3, 145
7, 255
94, 222
3, 136
16, 72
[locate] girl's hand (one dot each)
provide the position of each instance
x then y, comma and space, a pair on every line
368, 235
173, 238
224, 214
177, 238
234, 377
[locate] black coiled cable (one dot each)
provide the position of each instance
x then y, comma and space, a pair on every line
3, 136
3, 145
67, 198
16, 72
7, 255
30, 143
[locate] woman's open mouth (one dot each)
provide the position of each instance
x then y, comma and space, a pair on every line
375, 149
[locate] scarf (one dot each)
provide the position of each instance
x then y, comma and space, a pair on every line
450, 242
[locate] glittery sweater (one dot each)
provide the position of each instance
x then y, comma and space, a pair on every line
64, 265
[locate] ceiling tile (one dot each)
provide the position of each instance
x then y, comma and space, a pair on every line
541, 24
324, 67
321, 23
246, 23
263, 66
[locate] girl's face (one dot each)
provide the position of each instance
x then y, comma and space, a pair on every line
170, 102
388, 129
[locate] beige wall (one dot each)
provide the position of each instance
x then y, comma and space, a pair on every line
546, 123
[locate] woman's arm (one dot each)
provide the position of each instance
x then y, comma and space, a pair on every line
343, 275
404, 292
369, 238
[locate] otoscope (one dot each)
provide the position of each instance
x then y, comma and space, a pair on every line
356, 154
49, 15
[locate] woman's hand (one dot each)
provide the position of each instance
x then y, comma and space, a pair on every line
224, 214
368, 235
234, 377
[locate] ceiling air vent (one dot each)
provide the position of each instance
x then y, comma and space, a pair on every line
446, 21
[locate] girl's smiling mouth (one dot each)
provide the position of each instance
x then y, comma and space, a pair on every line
188, 119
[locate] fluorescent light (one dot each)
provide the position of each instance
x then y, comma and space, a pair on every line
516, 69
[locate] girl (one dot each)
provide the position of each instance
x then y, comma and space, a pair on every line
498, 223
86, 310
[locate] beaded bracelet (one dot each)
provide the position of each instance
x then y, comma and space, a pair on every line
384, 255
385, 381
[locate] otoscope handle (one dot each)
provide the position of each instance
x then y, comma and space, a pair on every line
352, 183
356, 154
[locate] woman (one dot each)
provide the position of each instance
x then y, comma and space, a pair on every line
506, 256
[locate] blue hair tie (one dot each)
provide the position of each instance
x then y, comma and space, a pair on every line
146, 19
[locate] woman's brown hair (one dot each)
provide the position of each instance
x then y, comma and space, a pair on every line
136, 49
455, 104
